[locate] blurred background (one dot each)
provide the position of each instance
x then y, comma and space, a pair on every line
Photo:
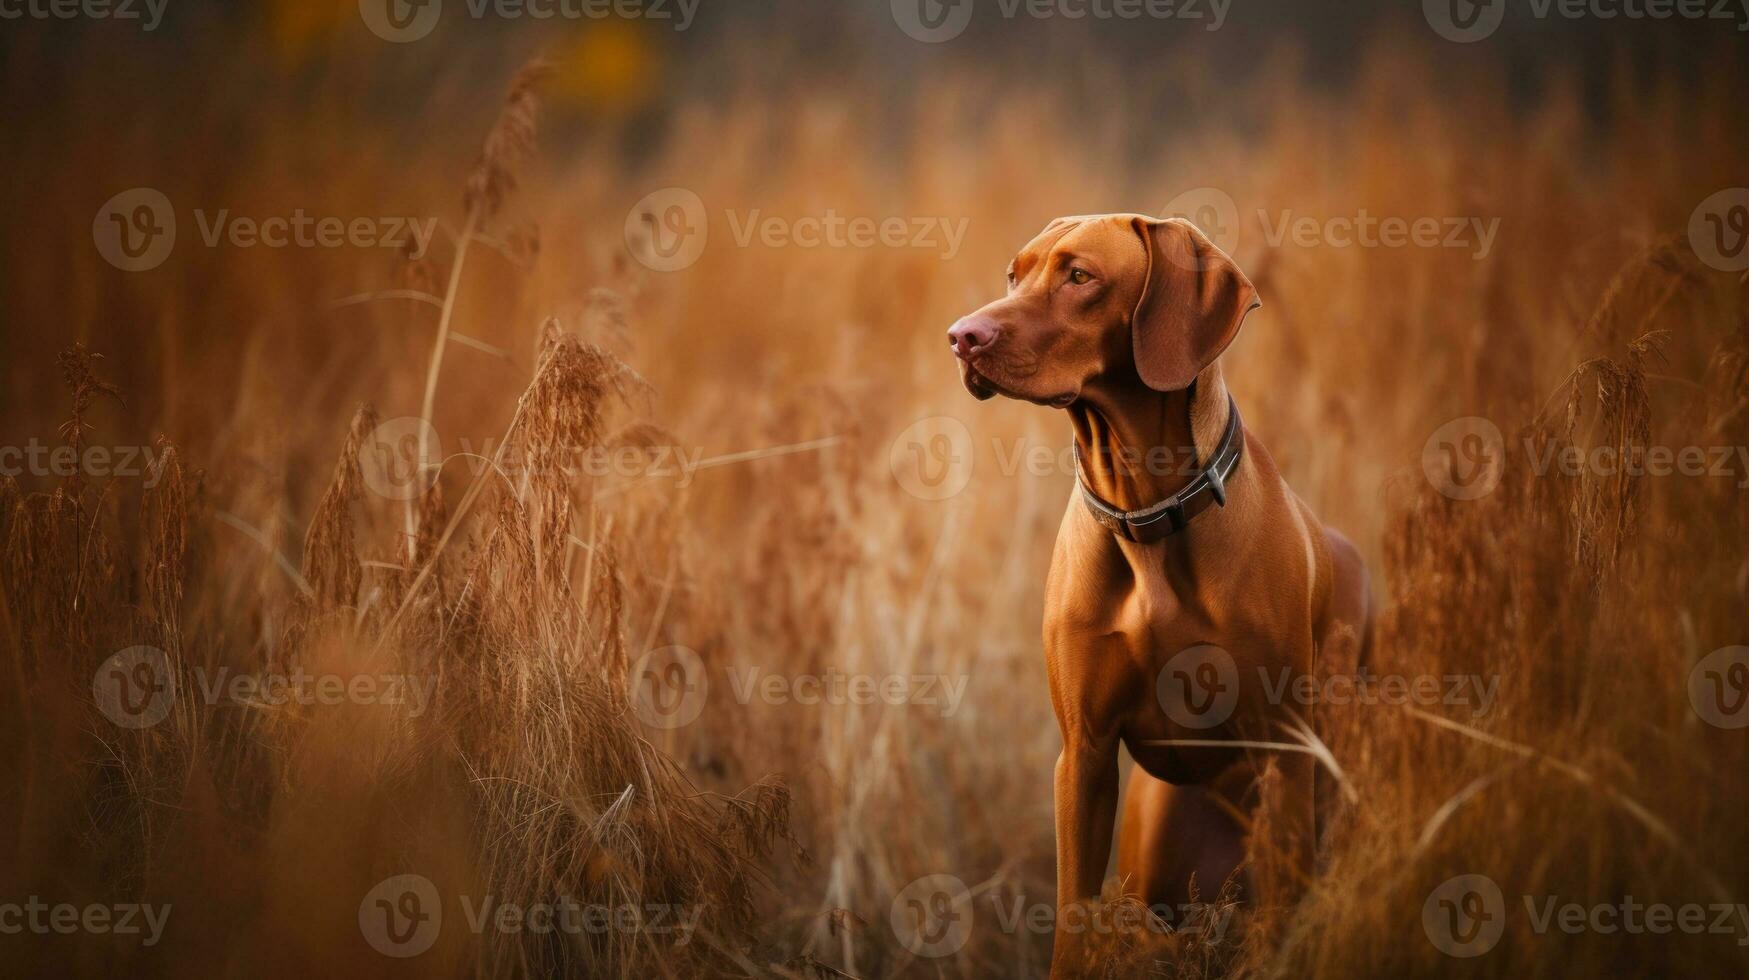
328, 488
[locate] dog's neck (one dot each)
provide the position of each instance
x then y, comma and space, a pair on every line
1139, 446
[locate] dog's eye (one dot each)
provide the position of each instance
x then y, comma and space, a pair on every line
1080, 277
1010, 277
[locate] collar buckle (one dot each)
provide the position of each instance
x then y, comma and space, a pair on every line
1174, 514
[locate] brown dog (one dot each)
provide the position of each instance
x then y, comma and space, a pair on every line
1188, 580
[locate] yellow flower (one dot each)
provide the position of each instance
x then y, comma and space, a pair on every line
609, 66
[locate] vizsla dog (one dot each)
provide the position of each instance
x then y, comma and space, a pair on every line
1188, 584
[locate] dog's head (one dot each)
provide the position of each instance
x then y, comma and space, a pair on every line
1111, 296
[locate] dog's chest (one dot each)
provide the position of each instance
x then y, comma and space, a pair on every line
1164, 654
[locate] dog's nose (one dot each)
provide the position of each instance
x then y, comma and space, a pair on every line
971, 335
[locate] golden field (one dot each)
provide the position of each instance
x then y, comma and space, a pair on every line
522, 598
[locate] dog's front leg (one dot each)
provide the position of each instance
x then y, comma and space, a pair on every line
1086, 804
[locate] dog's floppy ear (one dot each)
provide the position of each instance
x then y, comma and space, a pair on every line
1192, 303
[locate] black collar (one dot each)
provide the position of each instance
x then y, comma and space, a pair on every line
1173, 514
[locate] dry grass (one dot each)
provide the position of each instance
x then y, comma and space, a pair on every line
526, 596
